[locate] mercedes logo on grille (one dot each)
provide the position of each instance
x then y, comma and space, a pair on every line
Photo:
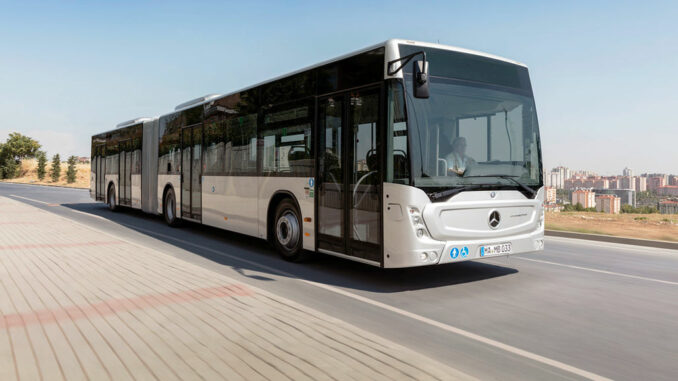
495, 219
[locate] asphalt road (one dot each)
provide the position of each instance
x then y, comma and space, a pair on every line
580, 309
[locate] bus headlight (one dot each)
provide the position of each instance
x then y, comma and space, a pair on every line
417, 222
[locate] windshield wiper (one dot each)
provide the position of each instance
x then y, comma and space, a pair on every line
434, 196
529, 190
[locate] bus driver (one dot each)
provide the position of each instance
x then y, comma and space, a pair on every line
457, 160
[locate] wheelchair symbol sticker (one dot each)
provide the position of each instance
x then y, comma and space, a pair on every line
464, 251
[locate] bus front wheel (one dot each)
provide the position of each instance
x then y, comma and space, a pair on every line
287, 232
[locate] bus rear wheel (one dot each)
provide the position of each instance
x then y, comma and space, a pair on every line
287, 232
170, 208
111, 199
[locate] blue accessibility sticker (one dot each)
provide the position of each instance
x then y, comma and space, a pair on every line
482, 251
311, 181
454, 253
464, 251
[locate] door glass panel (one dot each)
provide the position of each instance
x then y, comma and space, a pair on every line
331, 192
196, 171
186, 172
122, 183
365, 172
100, 171
128, 174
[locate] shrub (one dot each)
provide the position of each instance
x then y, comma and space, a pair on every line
42, 164
56, 168
71, 171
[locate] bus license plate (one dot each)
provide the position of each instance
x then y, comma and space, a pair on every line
499, 249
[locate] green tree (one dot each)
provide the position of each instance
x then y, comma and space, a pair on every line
71, 171
42, 164
9, 168
16, 148
20, 146
56, 168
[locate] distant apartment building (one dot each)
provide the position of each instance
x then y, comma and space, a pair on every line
571, 184
668, 190
627, 182
601, 183
627, 172
608, 203
673, 180
627, 196
641, 184
550, 195
613, 183
585, 197
668, 207
557, 180
558, 176
655, 182
587, 182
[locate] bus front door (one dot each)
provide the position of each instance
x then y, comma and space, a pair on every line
349, 175
191, 172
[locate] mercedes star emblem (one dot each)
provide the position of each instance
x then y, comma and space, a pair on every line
495, 219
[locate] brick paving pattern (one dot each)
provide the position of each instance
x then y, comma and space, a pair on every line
77, 303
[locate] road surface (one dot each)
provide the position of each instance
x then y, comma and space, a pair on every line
579, 310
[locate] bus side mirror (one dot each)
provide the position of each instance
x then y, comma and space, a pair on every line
420, 81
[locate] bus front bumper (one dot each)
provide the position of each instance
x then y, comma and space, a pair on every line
458, 251
442, 252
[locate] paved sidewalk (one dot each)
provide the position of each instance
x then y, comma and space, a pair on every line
77, 303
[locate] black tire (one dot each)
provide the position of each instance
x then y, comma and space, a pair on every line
169, 209
288, 232
110, 199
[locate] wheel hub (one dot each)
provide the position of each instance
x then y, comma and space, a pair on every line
287, 230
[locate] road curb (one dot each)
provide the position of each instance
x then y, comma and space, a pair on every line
612, 239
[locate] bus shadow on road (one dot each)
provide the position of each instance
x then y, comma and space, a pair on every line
244, 254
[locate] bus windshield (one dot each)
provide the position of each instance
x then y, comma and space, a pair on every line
470, 133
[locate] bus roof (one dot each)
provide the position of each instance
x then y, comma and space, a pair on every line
392, 43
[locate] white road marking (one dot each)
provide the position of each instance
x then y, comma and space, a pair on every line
458, 331
599, 271
30, 199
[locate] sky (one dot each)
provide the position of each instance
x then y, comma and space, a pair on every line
604, 73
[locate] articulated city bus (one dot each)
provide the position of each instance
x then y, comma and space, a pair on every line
401, 154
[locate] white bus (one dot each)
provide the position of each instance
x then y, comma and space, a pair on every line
401, 154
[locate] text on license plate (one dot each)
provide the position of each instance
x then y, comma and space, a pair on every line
498, 249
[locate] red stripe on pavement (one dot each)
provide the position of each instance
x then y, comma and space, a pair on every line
69, 244
114, 306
